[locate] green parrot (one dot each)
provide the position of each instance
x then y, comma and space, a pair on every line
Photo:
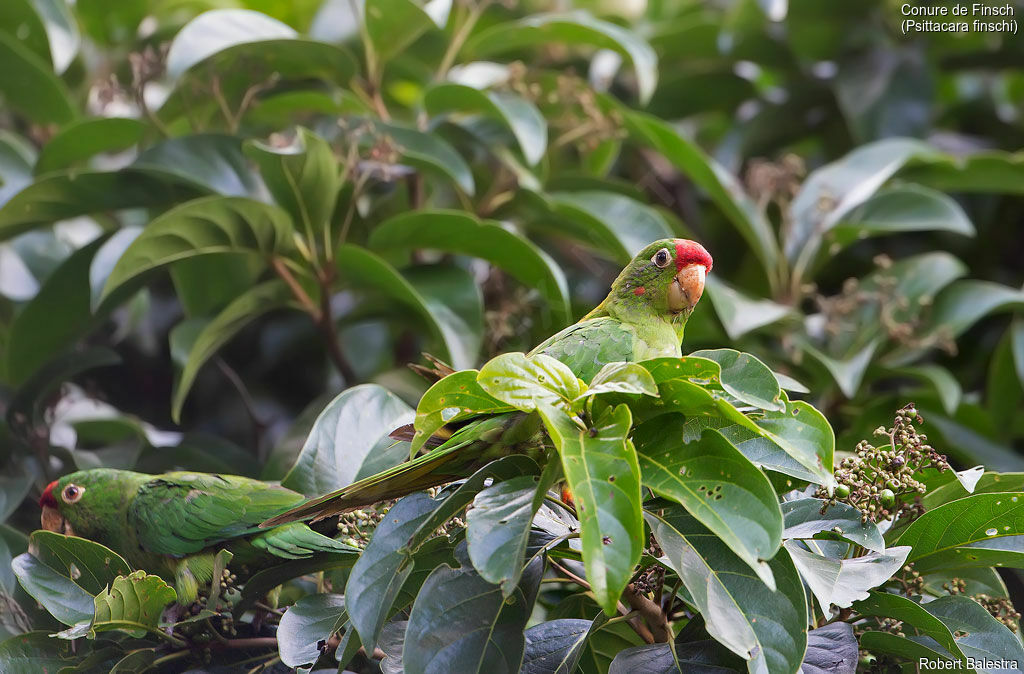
642, 317
174, 524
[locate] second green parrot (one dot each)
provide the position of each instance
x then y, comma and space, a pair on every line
642, 317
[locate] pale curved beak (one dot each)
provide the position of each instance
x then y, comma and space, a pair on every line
687, 288
51, 520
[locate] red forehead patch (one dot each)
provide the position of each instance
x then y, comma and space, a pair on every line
690, 252
47, 499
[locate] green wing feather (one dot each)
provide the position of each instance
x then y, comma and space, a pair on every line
182, 513
588, 345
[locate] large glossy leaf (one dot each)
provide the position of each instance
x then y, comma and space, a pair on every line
58, 314
614, 224
217, 30
741, 313
33, 652
526, 382
603, 473
393, 25
212, 162
832, 191
623, 377
803, 519
91, 565
946, 487
831, 649
455, 397
915, 618
351, 434
844, 581
311, 620
82, 140
58, 594
940, 538
694, 657
720, 185
963, 303
383, 567
462, 623
977, 633
763, 626
364, 269
572, 28
459, 232
907, 208
555, 646
69, 194
985, 172
303, 177
746, 378
203, 227
521, 117
945, 384
719, 486
243, 310
111, 21
848, 373
30, 87
498, 529
430, 152
132, 604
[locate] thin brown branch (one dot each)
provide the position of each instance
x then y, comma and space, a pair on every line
326, 325
300, 294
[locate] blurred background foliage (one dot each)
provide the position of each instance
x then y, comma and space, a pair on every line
172, 297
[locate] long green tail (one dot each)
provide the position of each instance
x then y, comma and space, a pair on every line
469, 448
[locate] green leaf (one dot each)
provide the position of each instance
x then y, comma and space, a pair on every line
1017, 348
719, 486
58, 314
979, 635
848, 373
951, 488
262, 582
430, 152
969, 446
20, 20
30, 87
803, 519
364, 269
765, 627
111, 21
613, 223
945, 384
555, 646
521, 117
247, 307
202, 227
988, 172
219, 29
209, 161
33, 652
58, 594
526, 382
740, 313
701, 657
804, 433
844, 581
914, 616
132, 603
963, 303
721, 186
906, 208
578, 28
455, 397
601, 468
393, 25
832, 191
630, 378
69, 194
85, 138
350, 435
207, 284
311, 620
498, 526
940, 538
461, 233
383, 567
746, 378
462, 623
303, 177
91, 565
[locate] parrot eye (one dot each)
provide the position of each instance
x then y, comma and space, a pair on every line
661, 258
72, 493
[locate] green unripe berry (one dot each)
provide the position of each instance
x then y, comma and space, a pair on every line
842, 491
887, 497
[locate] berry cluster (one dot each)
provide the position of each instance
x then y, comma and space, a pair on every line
1001, 608
880, 481
356, 526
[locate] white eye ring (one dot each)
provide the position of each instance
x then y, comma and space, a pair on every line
662, 258
72, 493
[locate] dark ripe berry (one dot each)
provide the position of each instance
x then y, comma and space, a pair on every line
842, 491
887, 497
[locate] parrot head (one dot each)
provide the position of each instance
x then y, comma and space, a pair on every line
80, 503
665, 278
